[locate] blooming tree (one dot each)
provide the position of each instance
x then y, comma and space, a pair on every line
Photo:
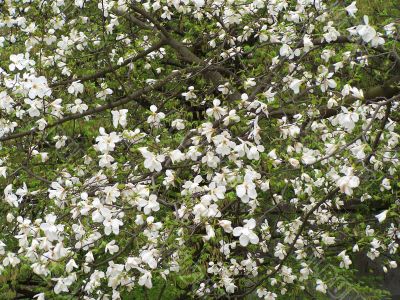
196, 148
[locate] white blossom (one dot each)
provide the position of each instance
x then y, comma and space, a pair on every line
246, 233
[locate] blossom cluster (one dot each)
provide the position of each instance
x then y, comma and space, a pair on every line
217, 147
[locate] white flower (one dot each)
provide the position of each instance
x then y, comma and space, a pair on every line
352, 9
40, 296
152, 162
119, 117
331, 34
348, 182
190, 94
223, 143
60, 141
63, 284
178, 124
393, 264
226, 225
37, 87
346, 119
307, 43
390, 29
358, 150
79, 107
250, 82
294, 162
327, 240
145, 280
280, 251
321, 286
224, 88
149, 205
246, 190
345, 259
9, 196
216, 111
210, 233
41, 124
169, 178
308, 157
70, 265
382, 216
285, 50
155, 117
369, 34
199, 3
57, 191
270, 296
102, 95
106, 142
385, 185
232, 117
112, 225
11, 259
111, 247
149, 257
295, 85
50, 229
2, 246
79, 3
263, 293
176, 156
75, 88
6, 102
246, 233
19, 61
326, 82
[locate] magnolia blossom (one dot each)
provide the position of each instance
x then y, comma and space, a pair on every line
145, 280
189, 94
149, 205
51, 230
217, 111
155, 117
382, 216
352, 9
369, 34
79, 107
106, 142
152, 161
321, 286
11, 259
246, 233
246, 190
20, 61
111, 247
37, 87
178, 124
295, 85
76, 88
210, 233
60, 141
119, 117
345, 260
346, 119
226, 225
348, 182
